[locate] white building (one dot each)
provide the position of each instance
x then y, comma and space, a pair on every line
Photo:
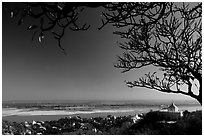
172, 108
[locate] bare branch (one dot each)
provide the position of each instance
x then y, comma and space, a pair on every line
170, 39
52, 15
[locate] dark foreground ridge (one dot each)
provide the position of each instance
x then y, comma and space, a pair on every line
153, 122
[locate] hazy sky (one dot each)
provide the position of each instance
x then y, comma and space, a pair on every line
33, 71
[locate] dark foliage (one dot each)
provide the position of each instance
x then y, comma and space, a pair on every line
151, 124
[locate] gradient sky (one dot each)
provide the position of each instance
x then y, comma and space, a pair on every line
34, 71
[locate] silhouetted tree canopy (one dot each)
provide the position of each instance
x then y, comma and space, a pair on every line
53, 17
165, 35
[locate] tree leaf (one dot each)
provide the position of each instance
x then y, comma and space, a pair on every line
11, 14
32, 27
41, 36
40, 39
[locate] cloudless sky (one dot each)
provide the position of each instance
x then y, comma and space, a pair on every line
34, 71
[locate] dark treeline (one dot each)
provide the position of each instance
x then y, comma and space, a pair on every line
154, 122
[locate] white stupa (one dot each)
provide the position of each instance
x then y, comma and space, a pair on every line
172, 108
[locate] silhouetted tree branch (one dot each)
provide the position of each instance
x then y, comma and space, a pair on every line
165, 35
53, 17
127, 14
160, 34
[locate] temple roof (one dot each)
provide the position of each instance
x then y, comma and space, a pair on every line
172, 106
